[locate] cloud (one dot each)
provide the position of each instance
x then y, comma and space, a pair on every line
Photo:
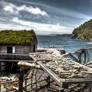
44, 28
14, 9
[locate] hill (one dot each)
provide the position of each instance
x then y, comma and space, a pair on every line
83, 32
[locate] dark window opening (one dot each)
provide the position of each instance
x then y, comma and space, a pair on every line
9, 49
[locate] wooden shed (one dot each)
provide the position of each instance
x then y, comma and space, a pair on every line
15, 46
17, 42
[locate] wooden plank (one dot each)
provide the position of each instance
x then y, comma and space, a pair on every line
11, 54
32, 65
21, 75
41, 59
78, 80
75, 52
68, 54
4, 60
88, 48
89, 70
74, 57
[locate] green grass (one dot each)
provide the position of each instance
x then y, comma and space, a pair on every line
10, 37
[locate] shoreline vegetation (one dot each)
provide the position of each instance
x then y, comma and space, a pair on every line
83, 32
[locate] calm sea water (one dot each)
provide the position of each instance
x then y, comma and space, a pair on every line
65, 42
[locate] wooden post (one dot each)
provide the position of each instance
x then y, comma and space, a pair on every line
0, 88
21, 75
25, 84
79, 58
90, 88
85, 57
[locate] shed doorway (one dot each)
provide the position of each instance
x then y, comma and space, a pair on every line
9, 49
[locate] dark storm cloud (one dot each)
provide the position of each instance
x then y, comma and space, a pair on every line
83, 6
45, 16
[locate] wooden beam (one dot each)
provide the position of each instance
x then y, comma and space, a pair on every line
11, 54
29, 64
21, 75
68, 54
75, 52
73, 57
4, 60
78, 80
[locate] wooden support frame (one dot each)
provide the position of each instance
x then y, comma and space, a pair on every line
21, 75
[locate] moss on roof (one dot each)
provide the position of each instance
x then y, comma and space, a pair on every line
12, 37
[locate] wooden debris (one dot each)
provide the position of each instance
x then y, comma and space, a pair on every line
52, 69
9, 83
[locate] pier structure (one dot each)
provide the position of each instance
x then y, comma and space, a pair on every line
50, 71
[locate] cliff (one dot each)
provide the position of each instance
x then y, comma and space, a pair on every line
83, 32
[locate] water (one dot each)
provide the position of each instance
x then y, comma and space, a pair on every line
65, 42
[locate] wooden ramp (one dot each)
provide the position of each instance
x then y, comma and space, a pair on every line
54, 76
61, 70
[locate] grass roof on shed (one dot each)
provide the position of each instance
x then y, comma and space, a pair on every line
10, 37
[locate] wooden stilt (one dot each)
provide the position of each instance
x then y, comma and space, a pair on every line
79, 58
21, 81
85, 57
25, 84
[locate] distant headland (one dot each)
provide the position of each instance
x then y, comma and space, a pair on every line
83, 32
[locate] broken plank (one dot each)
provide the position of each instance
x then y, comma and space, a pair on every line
78, 80
31, 65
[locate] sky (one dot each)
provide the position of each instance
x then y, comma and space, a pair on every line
44, 16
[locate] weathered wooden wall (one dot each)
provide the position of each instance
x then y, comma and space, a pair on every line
19, 49
3, 49
22, 49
